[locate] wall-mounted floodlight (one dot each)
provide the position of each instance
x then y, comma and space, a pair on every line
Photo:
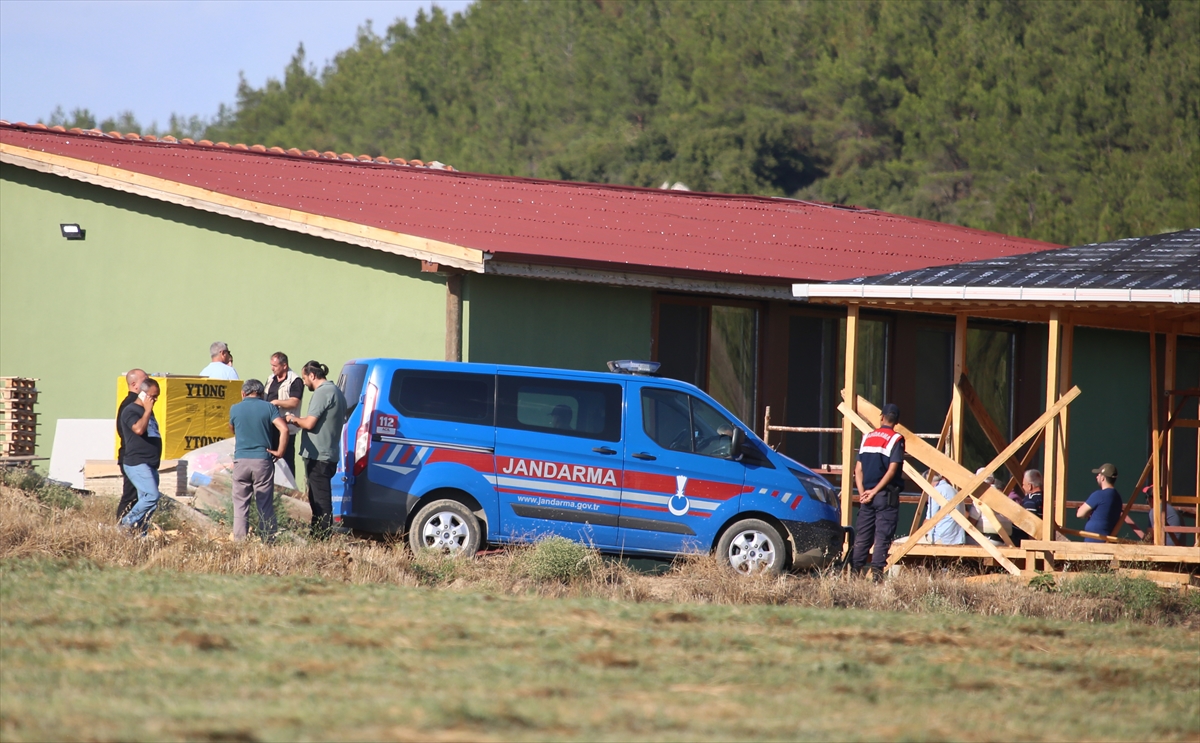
72, 231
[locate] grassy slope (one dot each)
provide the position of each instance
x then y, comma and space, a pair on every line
115, 653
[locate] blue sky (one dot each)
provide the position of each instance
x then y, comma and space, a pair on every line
158, 57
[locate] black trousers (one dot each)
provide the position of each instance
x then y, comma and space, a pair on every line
129, 494
876, 526
320, 495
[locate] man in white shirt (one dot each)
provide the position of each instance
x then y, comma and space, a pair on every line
222, 363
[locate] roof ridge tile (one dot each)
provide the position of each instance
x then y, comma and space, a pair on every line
241, 147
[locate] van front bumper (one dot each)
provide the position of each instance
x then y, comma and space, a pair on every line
815, 543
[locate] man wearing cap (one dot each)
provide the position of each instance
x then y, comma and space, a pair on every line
1102, 509
877, 475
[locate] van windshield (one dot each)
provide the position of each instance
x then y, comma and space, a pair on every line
350, 382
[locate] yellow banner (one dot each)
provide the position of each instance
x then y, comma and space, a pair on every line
191, 411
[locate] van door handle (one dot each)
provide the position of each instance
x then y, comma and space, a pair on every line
603, 450
644, 455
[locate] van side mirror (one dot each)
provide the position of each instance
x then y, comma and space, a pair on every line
735, 445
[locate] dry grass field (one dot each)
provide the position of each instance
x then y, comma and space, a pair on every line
185, 636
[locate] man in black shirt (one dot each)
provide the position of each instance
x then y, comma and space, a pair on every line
129, 494
285, 389
143, 453
1032, 485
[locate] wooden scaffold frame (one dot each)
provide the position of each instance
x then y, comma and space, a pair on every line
1049, 545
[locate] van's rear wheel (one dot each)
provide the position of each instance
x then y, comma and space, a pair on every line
753, 547
445, 526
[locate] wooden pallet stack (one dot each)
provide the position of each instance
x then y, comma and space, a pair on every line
18, 422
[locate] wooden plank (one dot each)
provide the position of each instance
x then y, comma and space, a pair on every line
454, 304
1096, 535
1126, 552
919, 514
973, 487
1066, 352
956, 400
1113, 316
849, 392
958, 550
997, 439
1160, 576
161, 189
1049, 481
962, 520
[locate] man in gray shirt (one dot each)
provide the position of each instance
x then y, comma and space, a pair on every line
319, 449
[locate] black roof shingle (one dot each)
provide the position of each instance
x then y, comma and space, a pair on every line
1167, 261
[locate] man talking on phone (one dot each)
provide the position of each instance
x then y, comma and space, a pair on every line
143, 453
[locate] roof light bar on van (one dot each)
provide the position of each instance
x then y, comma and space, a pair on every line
629, 366
362, 440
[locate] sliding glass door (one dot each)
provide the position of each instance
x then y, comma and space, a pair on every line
713, 345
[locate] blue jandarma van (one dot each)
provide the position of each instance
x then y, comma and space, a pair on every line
462, 455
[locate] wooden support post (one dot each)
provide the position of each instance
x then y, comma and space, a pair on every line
1049, 474
1067, 346
956, 400
850, 385
1156, 513
454, 301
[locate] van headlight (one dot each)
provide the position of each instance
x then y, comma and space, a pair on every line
818, 488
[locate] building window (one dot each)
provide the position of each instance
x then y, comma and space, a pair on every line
932, 370
1185, 450
816, 370
991, 352
713, 345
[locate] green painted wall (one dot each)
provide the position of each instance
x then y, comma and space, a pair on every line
1110, 420
559, 324
154, 284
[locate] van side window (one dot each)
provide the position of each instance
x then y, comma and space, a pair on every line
681, 422
350, 382
443, 396
565, 407
667, 418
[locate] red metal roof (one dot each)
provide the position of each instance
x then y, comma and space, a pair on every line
615, 228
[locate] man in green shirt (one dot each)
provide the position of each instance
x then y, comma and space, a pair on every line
319, 449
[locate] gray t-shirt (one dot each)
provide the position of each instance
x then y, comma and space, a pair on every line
329, 406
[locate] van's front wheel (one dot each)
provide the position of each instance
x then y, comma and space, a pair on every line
445, 526
753, 547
